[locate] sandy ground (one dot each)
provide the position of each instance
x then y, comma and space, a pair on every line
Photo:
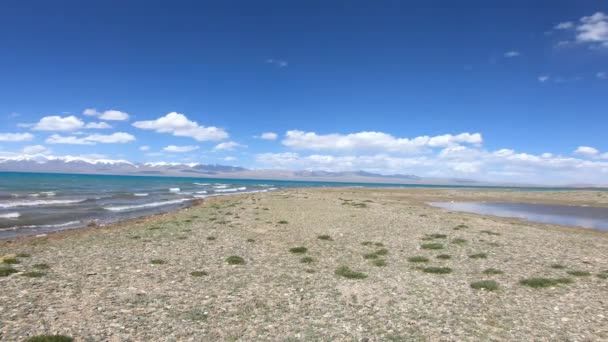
101, 283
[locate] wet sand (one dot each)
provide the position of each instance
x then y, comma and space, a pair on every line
102, 284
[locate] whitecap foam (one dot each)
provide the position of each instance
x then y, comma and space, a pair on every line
143, 194
201, 192
38, 203
43, 193
10, 215
226, 190
243, 188
59, 225
175, 189
220, 186
201, 184
146, 205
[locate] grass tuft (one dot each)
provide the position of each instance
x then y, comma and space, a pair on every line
23, 255
433, 245
492, 271
379, 262
325, 237
378, 244
158, 262
603, 275
6, 271
437, 236
459, 241
211, 238
370, 256
198, 273
33, 274
235, 260
558, 266
437, 270
461, 226
418, 259
488, 285
282, 222
298, 250
489, 232
478, 256
250, 240
50, 338
10, 261
545, 282
444, 256
367, 243
579, 273
307, 260
346, 272
41, 266
382, 251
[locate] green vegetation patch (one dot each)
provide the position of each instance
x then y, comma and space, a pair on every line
492, 271
235, 260
379, 262
478, 256
158, 262
198, 273
436, 236
50, 338
325, 237
10, 261
459, 241
489, 232
23, 255
307, 260
461, 226
603, 275
433, 245
33, 274
211, 238
558, 266
436, 270
41, 266
444, 256
6, 271
250, 240
346, 272
298, 250
367, 243
282, 222
488, 285
545, 282
370, 256
382, 251
579, 273
418, 259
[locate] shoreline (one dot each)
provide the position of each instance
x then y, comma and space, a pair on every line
167, 276
459, 198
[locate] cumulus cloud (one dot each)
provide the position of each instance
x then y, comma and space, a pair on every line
36, 149
602, 75
473, 162
586, 151
97, 125
114, 138
108, 115
592, 29
179, 125
369, 141
229, 158
180, 149
16, 137
269, 136
144, 148
512, 53
58, 123
227, 146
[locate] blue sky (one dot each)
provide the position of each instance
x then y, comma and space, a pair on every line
344, 85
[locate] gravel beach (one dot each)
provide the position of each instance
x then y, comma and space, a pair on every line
377, 265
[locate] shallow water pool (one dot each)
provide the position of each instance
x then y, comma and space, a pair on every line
581, 216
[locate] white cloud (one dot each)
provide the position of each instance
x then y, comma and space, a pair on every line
144, 148
512, 53
180, 149
269, 136
109, 115
369, 141
592, 30
58, 123
16, 137
36, 149
227, 146
179, 125
602, 75
229, 158
97, 125
114, 138
277, 62
544, 78
586, 151
564, 25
